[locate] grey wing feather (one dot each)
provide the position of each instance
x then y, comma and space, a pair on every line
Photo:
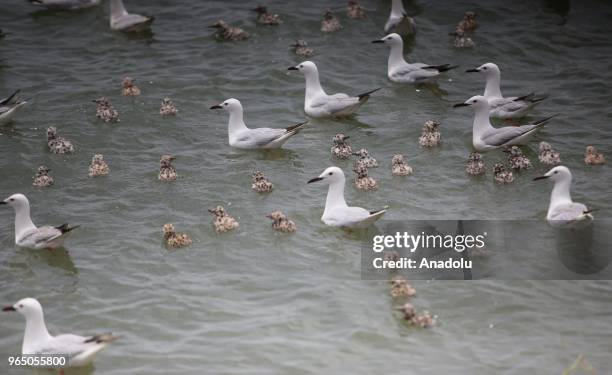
501, 136
42, 235
262, 136
67, 344
569, 212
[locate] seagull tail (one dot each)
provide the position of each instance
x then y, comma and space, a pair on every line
366, 95
441, 68
385, 208
64, 228
543, 121
103, 338
8, 100
531, 98
297, 127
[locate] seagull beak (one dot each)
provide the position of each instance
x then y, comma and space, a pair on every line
472, 71
292, 68
216, 107
8, 308
314, 180
540, 178
460, 105
2, 202
378, 41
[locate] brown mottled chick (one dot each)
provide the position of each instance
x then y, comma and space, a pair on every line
222, 221
430, 135
355, 10
265, 18
42, 177
475, 165
174, 239
517, 160
129, 88
362, 180
340, 147
501, 174
167, 108
592, 157
547, 155
227, 32
468, 23
167, 172
365, 159
98, 166
399, 166
401, 288
260, 183
105, 110
281, 222
424, 320
330, 23
462, 40
57, 144
300, 47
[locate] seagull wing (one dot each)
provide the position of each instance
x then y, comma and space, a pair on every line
261, 136
68, 344
501, 136
334, 103
568, 213
41, 235
7, 100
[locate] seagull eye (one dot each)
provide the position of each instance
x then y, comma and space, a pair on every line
556, 172
484, 67
225, 104
21, 306
330, 173
301, 66
12, 200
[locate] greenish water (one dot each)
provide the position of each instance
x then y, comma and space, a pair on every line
256, 301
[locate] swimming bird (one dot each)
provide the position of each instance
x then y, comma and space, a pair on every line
401, 288
475, 165
330, 23
105, 111
501, 174
167, 172
265, 18
121, 20
468, 23
399, 166
424, 320
300, 47
517, 160
340, 147
399, 22
485, 137
261, 183
430, 135
364, 158
547, 155
281, 222
174, 239
562, 211
504, 108
80, 350
9, 106
318, 104
461, 39
27, 234
129, 88
337, 213
362, 180
167, 108
354, 10
592, 157
227, 32
57, 144
98, 166
242, 137
398, 70
222, 221
42, 177
66, 4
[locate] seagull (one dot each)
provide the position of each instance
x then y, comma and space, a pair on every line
485, 137
337, 213
562, 211
9, 106
27, 234
399, 22
318, 104
121, 20
80, 350
66, 4
504, 108
398, 70
242, 137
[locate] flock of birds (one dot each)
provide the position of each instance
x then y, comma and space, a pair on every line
562, 210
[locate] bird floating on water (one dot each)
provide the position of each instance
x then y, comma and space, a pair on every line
547, 155
517, 160
399, 167
399, 22
57, 144
281, 222
468, 23
330, 23
265, 18
66, 4
424, 320
129, 88
227, 32
222, 221
9, 106
475, 166
364, 158
300, 47
167, 172
261, 183
174, 239
354, 10
362, 180
501, 174
430, 135
121, 20
167, 107
98, 166
42, 177
592, 157
461, 39
340, 147
401, 288
105, 111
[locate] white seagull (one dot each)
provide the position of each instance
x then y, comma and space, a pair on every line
66, 4
121, 20
485, 137
80, 350
562, 211
398, 70
8, 107
242, 137
27, 234
318, 104
399, 22
504, 108
337, 213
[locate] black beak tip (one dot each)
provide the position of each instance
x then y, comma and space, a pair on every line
216, 107
314, 180
2, 202
377, 41
8, 308
540, 178
460, 105
292, 68
472, 71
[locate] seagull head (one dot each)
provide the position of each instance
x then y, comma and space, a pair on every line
329, 176
305, 67
558, 173
486, 69
16, 201
391, 39
229, 105
26, 307
476, 102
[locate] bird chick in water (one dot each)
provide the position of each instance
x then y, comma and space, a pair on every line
227, 32
300, 47
42, 177
105, 110
475, 165
430, 135
167, 107
355, 10
424, 320
517, 160
174, 239
468, 23
547, 155
330, 23
281, 222
462, 40
592, 157
399, 166
129, 88
265, 18
167, 172
340, 147
362, 180
222, 221
501, 174
260, 183
365, 159
98, 166
57, 144
401, 288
